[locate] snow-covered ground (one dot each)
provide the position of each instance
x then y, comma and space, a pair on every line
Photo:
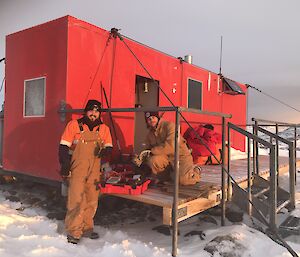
28, 232
31, 225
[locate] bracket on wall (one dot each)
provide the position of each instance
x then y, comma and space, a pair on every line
62, 110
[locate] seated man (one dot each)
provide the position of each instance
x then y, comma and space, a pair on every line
161, 141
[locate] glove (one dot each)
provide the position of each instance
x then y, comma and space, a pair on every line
142, 157
64, 160
105, 152
65, 169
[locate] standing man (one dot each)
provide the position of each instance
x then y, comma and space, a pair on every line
89, 139
161, 141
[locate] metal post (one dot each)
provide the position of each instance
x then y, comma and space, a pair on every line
249, 191
277, 152
273, 188
229, 191
223, 176
176, 186
256, 149
295, 152
254, 153
292, 174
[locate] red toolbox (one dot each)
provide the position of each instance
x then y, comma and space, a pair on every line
124, 189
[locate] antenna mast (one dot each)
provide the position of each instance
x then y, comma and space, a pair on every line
220, 71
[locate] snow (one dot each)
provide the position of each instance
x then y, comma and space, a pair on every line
29, 233
26, 231
25, 235
35, 235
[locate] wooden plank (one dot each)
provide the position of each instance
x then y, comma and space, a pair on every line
204, 195
151, 196
188, 209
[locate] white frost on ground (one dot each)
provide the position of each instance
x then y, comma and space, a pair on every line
29, 233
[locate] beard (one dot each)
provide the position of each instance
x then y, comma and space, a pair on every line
91, 122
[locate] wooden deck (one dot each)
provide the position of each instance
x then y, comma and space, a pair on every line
204, 195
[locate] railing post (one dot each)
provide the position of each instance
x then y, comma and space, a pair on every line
176, 186
277, 152
229, 184
256, 149
249, 191
292, 174
223, 176
273, 188
254, 152
295, 151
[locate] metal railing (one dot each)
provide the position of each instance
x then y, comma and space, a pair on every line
276, 124
272, 166
292, 161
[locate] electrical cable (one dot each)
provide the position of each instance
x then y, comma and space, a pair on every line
2, 83
272, 97
97, 70
116, 34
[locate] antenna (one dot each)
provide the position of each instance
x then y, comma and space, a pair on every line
220, 71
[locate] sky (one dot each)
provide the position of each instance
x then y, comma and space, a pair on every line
261, 39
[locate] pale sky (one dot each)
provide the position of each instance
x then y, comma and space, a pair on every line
261, 38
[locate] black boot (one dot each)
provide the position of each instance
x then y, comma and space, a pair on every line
72, 239
90, 234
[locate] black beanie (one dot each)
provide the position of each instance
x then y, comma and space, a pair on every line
149, 114
92, 104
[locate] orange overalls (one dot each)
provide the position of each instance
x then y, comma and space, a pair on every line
85, 172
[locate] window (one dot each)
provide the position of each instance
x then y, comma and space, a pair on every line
34, 97
231, 87
194, 94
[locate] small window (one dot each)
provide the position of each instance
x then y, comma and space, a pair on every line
194, 94
231, 87
34, 97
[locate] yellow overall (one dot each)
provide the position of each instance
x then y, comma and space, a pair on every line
161, 141
82, 193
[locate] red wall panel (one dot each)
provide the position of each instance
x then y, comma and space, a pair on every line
77, 58
30, 144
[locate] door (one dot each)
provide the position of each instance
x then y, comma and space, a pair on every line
146, 95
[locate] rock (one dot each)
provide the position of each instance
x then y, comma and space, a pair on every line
151, 218
208, 219
13, 198
31, 200
163, 229
56, 215
234, 216
215, 211
226, 246
195, 233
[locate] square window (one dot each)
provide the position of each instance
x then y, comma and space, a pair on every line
34, 97
194, 94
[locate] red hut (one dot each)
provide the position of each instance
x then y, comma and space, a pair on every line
68, 60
